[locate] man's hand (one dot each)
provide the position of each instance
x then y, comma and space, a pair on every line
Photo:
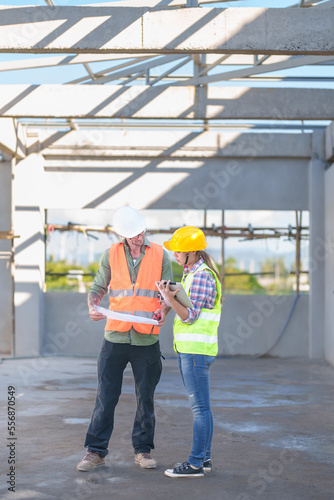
94, 300
94, 315
160, 316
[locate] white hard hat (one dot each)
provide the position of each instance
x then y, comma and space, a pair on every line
128, 222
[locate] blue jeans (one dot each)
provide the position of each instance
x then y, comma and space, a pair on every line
146, 367
194, 369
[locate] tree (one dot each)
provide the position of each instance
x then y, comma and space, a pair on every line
274, 265
245, 283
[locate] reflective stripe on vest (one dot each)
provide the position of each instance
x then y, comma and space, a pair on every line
198, 337
202, 336
140, 298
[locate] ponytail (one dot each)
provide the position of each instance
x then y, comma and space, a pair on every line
208, 260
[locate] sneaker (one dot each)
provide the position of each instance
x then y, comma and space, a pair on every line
145, 461
90, 461
184, 470
207, 466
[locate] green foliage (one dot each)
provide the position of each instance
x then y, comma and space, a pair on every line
275, 265
243, 284
238, 283
65, 283
177, 271
279, 280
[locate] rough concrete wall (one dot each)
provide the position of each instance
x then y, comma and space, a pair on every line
211, 183
250, 325
329, 265
6, 289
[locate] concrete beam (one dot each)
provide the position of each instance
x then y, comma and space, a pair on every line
184, 184
64, 60
113, 101
103, 144
44, 62
125, 29
12, 141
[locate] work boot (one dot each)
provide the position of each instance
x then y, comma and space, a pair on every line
90, 461
145, 461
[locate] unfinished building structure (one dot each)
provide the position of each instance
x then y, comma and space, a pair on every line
104, 139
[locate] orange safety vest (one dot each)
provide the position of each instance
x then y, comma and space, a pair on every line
140, 298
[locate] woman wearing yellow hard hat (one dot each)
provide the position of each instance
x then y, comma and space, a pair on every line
195, 339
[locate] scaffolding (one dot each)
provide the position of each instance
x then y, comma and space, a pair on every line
246, 233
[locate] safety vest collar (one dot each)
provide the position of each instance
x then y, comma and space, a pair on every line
192, 269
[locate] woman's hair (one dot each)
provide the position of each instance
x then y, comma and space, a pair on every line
208, 260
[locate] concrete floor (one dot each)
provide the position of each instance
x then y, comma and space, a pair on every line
273, 435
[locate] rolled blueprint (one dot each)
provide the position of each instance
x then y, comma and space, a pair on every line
124, 317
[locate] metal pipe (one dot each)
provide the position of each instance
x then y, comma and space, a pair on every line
298, 235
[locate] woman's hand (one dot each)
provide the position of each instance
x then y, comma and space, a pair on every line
168, 294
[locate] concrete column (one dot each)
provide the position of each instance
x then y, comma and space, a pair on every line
6, 288
29, 222
329, 265
317, 250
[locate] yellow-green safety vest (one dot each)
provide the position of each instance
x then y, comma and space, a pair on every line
202, 336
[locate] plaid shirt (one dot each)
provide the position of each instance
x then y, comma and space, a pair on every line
203, 291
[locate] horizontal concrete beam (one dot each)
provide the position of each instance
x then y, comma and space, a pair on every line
100, 145
80, 29
63, 60
172, 183
112, 101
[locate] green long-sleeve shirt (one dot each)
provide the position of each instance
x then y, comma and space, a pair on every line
100, 287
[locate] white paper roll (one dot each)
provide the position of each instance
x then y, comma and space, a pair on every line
124, 317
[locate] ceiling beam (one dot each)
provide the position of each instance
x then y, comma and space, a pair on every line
144, 102
54, 61
104, 144
80, 29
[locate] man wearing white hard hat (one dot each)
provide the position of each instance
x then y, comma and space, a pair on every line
130, 269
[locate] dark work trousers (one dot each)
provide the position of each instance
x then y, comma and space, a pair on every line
146, 367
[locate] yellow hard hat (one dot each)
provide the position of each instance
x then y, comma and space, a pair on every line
187, 239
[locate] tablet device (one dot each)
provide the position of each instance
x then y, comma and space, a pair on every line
181, 295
